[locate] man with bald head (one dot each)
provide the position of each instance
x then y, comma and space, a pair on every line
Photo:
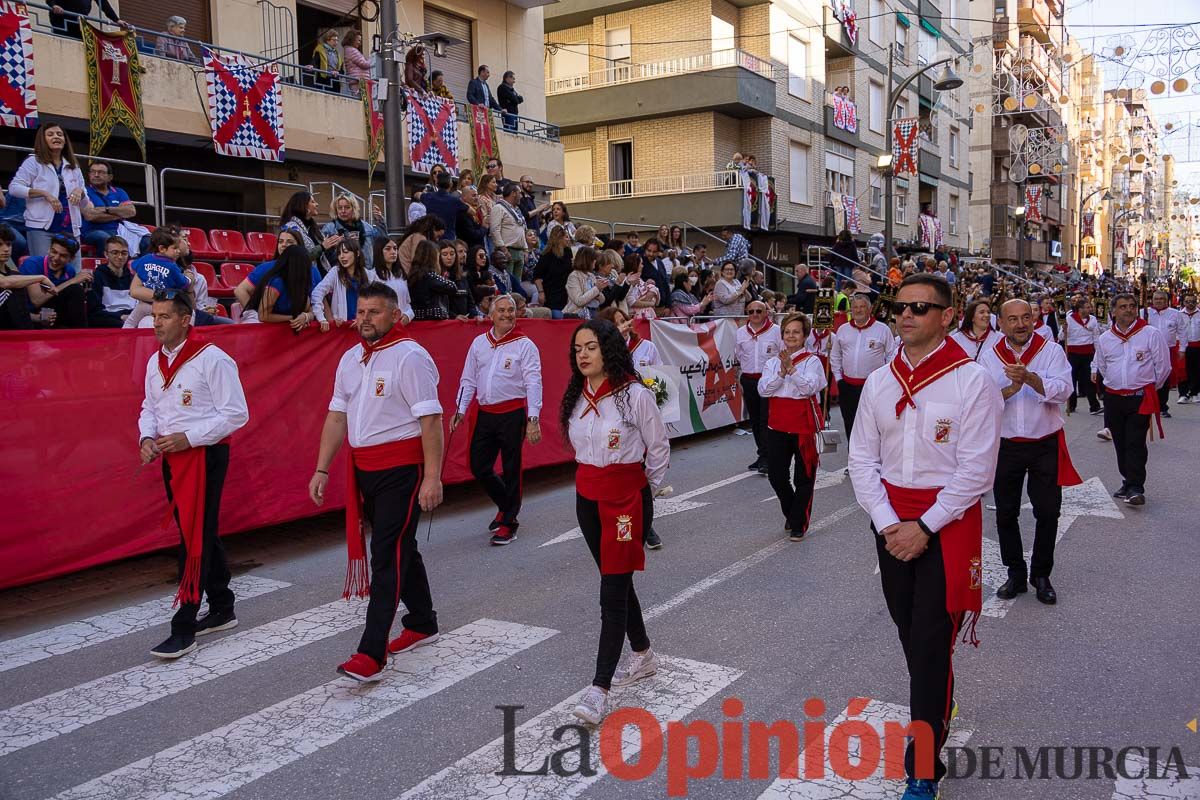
1034, 378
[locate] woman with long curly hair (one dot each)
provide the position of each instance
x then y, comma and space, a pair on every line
620, 444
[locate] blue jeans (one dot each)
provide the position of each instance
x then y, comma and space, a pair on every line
205, 318
96, 239
39, 244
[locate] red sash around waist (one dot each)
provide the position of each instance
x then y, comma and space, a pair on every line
617, 492
1067, 476
854, 381
504, 406
801, 417
962, 551
1149, 406
189, 482
400, 453
1081, 349
757, 375
1193, 345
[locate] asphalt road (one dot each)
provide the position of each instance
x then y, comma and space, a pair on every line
736, 610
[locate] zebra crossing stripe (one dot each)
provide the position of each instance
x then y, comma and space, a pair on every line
680, 687
223, 760
62, 712
72, 636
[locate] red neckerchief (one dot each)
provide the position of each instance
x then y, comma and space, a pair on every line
858, 327
1007, 356
1079, 320
191, 348
1137, 325
394, 336
971, 334
800, 355
1041, 323
633, 341
754, 334
512, 335
947, 358
593, 398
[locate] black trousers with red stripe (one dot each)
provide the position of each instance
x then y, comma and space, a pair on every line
214, 571
792, 485
915, 592
499, 435
397, 571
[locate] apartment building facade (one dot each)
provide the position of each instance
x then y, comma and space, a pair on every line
324, 129
654, 99
1134, 170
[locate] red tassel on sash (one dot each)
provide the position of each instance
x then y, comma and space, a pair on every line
617, 491
401, 453
1067, 476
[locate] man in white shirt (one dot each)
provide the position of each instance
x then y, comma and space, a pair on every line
861, 346
193, 404
1169, 322
503, 372
922, 454
1134, 360
756, 342
1079, 335
385, 403
1190, 340
1034, 379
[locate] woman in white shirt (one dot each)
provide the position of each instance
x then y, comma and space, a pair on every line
51, 184
386, 258
792, 381
341, 286
977, 334
729, 295
559, 218
620, 444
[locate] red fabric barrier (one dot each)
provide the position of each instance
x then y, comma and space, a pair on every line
74, 494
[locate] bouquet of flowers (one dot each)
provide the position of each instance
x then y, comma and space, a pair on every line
659, 387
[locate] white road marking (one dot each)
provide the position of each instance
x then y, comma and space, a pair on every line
1170, 786
680, 687
62, 639
825, 479
739, 567
665, 507
873, 787
223, 760
89, 703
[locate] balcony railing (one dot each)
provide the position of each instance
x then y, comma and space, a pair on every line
617, 73
642, 187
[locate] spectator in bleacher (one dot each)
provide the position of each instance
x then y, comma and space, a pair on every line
529, 204
348, 223
285, 290
430, 292
478, 91
327, 61
12, 215
427, 227
51, 184
299, 217
110, 205
843, 256
462, 304
553, 268
243, 290
729, 294
675, 242
487, 201
451, 210
585, 289
643, 295
437, 85
510, 100
507, 228
495, 168
341, 286
416, 208
558, 217
207, 311
610, 267
700, 259
156, 271
175, 45
736, 246
109, 301
806, 290
684, 302
358, 66
466, 177
14, 295
633, 243
473, 229
66, 307
389, 270
654, 270
65, 14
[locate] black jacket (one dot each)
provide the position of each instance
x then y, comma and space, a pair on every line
509, 99
480, 94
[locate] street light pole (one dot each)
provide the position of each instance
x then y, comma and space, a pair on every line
1079, 225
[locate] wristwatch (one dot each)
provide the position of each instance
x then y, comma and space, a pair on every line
533, 419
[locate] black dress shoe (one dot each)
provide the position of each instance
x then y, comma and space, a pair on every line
1045, 592
756, 465
1166, 415
1011, 588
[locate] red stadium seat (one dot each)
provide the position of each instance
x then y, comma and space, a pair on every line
231, 242
261, 244
233, 273
201, 249
215, 287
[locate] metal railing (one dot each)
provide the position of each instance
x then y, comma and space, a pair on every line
642, 187
618, 73
149, 174
165, 206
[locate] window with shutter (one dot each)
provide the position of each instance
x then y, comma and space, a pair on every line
152, 15
458, 65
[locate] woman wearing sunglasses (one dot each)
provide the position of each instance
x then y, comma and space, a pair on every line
793, 381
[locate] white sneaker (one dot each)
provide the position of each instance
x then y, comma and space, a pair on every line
1183, 401
636, 666
591, 708
1104, 434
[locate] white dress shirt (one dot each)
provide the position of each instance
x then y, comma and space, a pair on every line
605, 438
1168, 322
1191, 326
1027, 414
1134, 364
384, 399
821, 347
332, 286
857, 352
962, 409
496, 374
753, 351
972, 347
645, 354
805, 380
1076, 335
205, 400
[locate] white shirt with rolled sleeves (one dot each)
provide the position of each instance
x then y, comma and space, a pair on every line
1169, 322
496, 374
754, 352
606, 438
904, 451
645, 355
1027, 414
384, 399
205, 400
805, 380
859, 352
1134, 364
1076, 335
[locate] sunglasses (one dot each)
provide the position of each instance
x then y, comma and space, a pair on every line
757, 311
919, 308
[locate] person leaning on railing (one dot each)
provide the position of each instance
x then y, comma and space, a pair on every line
175, 46
64, 15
